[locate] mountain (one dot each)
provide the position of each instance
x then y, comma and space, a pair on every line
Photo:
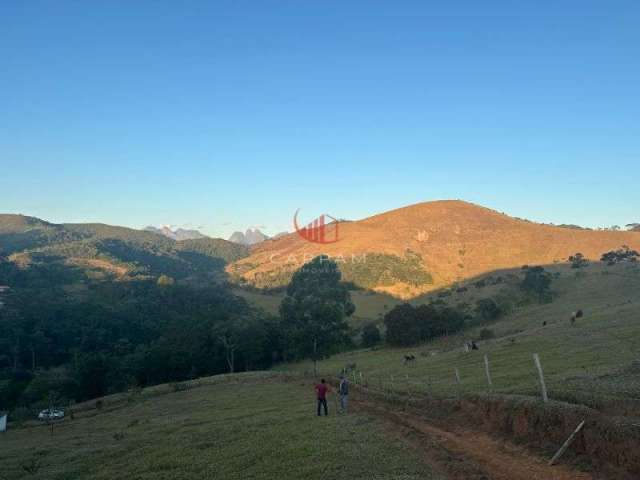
422, 247
178, 234
250, 237
34, 250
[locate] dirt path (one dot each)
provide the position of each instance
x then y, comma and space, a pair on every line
466, 454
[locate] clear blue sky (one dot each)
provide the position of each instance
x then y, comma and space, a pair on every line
229, 114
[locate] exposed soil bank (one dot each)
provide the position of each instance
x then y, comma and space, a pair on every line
604, 441
609, 445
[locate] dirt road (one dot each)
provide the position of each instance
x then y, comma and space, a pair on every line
465, 454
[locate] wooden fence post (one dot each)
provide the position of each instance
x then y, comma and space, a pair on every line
566, 444
458, 383
543, 386
487, 371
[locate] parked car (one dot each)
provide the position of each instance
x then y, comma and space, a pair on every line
51, 414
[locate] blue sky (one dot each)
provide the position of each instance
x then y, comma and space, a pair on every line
230, 114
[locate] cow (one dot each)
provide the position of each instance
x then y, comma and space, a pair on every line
409, 359
575, 315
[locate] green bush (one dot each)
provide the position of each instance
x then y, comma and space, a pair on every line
487, 334
370, 335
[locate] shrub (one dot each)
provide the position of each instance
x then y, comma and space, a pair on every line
370, 335
487, 334
487, 309
624, 254
181, 386
480, 284
537, 281
578, 261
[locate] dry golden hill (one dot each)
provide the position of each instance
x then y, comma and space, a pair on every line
415, 249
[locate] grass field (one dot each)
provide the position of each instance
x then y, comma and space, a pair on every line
585, 363
370, 306
248, 428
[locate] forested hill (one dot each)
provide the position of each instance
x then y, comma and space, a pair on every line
90, 309
99, 251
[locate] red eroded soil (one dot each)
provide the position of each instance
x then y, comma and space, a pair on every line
461, 453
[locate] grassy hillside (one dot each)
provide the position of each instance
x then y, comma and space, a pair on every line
246, 427
427, 246
370, 306
590, 362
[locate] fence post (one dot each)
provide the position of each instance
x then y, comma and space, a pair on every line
543, 386
487, 371
458, 383
566, 444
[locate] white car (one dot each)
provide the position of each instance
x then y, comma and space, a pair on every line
51, 414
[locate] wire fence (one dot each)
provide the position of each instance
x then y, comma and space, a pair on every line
522, 374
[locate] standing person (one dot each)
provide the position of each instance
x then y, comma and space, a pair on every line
343, 389
321, 392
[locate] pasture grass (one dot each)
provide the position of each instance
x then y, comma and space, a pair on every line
584, 363
243, 429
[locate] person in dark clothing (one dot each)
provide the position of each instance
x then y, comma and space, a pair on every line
321, 393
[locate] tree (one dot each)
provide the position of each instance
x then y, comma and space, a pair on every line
578, 261
403, 328
487, 334
487, 309
314, 309
438, 320
408, 325
370, 335
229, 337
537, 281
91, 375
624, 254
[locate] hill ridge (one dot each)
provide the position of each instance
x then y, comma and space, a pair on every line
448, 240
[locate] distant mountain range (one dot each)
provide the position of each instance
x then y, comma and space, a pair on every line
404, 252
178, 234
248, 238
33, 249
